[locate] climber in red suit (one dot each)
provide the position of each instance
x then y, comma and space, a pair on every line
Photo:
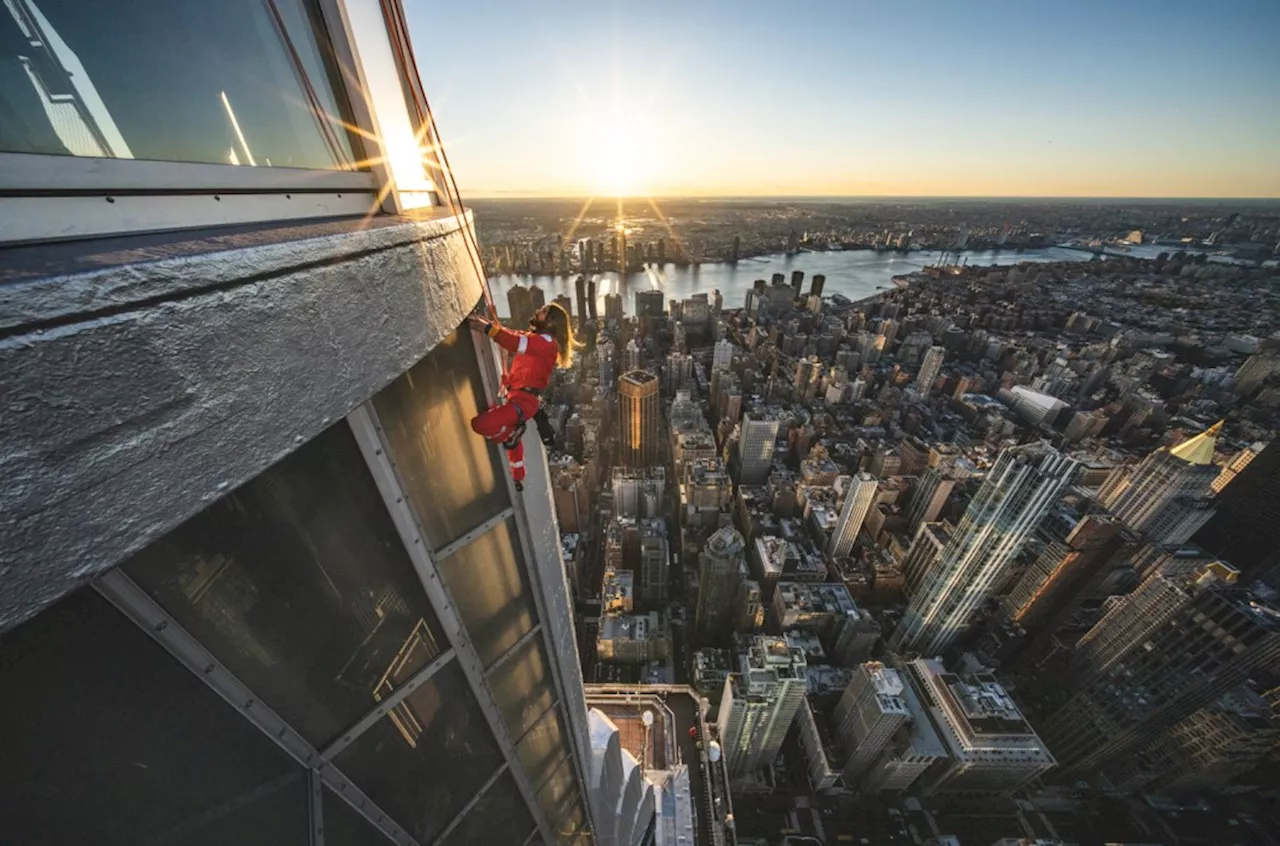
535, 354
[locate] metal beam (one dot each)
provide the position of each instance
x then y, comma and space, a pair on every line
515, 647
371, 439
397, 696
487, 353
457, 818
316, 803
138, 606
453, 546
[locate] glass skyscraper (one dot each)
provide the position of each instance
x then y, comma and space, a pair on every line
1017, 493
262, 584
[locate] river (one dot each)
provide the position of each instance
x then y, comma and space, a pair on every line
853, 273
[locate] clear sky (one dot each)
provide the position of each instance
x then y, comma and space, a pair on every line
894, 97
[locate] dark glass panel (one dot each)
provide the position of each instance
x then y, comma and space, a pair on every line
499, 817
247, 82
487, 581
109, 740
454, 477
425, 760
298, 582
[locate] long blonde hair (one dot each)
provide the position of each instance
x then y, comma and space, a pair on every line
561, 326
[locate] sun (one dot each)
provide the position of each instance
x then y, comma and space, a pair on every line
622, 160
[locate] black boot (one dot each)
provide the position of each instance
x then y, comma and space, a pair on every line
545, 432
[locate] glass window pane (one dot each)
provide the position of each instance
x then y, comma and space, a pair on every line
487, 582
568, 828
556, 793
543, 748
344, 826
428, 757
298, 582
108, 740
522, 687
454, 477
499, 817
246, 82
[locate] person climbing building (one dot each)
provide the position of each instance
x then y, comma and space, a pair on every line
535, 355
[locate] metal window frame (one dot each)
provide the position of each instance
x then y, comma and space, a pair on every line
490, 369
467, 537
138, 606
371, 438
56, 197
520, 643
475, 800
40, 174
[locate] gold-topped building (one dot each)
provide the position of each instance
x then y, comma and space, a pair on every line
1167, 496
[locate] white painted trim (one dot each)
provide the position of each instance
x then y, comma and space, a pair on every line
62, 218
29, 172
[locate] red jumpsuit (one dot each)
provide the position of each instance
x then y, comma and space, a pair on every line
533, 360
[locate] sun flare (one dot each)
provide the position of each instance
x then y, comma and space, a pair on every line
622, 161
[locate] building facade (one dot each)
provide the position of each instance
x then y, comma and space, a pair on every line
930, 367
638, 443
759, 703
1014, 498
718, 580
869, 713
759, 436
859, 493
1159, 655
1166, 497
263, 575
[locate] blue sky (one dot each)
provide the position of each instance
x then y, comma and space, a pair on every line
985, 97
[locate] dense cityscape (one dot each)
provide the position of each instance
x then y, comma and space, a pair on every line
880, 455
547, 236
987, 557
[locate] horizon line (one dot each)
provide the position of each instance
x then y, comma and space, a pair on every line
1077, 197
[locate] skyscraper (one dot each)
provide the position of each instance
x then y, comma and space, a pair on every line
650, 303
723, 355
1166, 497
277, 584
718, 578
869, 712
677, 372
759, 703
930, 495
859, 494
613, 307
1018, 491
1205, 751
991, 747
580, 288
930, 367
758, 440
1247, 512
519, 306
620, 249
638, 441
925, 550
1159, 655
1066, 558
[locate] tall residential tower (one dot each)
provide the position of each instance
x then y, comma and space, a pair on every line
1017, 493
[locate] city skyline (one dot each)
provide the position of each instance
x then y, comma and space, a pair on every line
997, 100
